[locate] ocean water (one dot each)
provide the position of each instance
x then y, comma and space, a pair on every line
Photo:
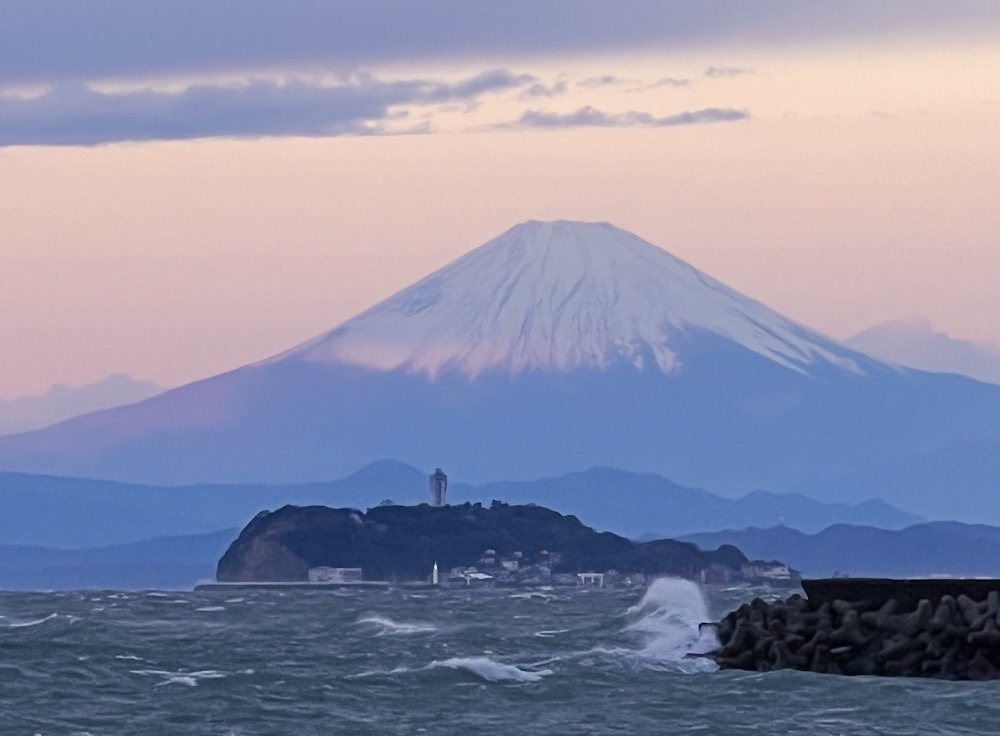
402, 661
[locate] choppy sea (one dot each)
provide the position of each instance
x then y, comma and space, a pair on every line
398, 661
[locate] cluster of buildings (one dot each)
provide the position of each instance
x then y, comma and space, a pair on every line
492, 569
774, 574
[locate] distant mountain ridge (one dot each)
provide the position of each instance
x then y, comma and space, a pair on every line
554, 347
650, 506
80, 513
914, 343
165, 563
63, 402
70, 513
942, 548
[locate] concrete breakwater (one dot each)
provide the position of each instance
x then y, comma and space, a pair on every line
950, 637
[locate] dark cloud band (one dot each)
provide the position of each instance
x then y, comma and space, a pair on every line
52, 41
73, 114
590, 117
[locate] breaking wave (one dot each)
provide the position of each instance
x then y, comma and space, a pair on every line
670, 617
23, 624
491, 670
191, 679
387, 626
482, 667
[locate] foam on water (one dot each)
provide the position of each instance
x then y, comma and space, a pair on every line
482, 667
388, 626
491, 670
181, 678
534, 596
23, 624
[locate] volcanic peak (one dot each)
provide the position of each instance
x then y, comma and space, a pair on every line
556, 296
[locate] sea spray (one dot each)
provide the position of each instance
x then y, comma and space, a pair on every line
670, 617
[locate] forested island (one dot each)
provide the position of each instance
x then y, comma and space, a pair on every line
469, 543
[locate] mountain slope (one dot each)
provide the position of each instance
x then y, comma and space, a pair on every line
913, 343
650, 506
555, 347
68, 513
173, 563
63, 402
922, 550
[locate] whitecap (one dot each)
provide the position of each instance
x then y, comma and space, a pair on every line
554, 632
534, 596
388, 626
181, 678
482, 667
491, 670
211, 608
22, 624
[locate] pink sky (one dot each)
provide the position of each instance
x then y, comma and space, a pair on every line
862, 188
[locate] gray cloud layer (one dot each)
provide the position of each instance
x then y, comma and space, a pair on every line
727, 71
50, 41
592, 117
72, 114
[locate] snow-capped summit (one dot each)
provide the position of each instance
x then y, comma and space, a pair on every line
554, 296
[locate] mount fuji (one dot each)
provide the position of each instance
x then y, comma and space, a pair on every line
556, 297
555, 347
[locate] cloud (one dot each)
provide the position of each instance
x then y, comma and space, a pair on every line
727, 71
52, 41
592, 117
541, 90
669, 82
606, 80
74, 114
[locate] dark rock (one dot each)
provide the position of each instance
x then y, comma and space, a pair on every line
850, 631
821, 659
894, 648
954, 637
879, 618
794, 641
779, 655
864, 665
942, 617
970, 611
808, 649
918, 620
988, 638
980, 668
763, 647
908, 665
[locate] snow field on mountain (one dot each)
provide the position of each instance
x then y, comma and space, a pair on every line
555, 296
